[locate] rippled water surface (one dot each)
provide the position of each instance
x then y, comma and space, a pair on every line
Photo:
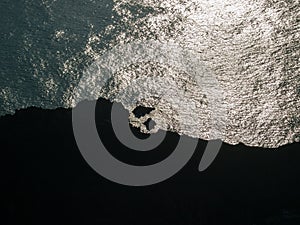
250, 48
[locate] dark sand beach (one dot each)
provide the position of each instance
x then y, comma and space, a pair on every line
45, 180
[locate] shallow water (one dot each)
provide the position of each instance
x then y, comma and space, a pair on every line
211, 69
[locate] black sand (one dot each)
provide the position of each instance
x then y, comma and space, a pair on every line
45, 180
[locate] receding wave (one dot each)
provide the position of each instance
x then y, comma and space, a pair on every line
249, 50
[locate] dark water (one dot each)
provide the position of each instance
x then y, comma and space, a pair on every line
32, 54
250, 47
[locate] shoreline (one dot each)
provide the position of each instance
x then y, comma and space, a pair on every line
45, 176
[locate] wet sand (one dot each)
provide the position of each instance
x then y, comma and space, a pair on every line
45, 180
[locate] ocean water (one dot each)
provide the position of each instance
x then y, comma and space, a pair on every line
225, 69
